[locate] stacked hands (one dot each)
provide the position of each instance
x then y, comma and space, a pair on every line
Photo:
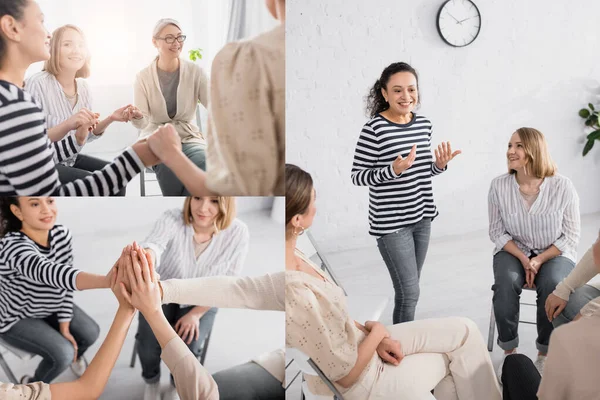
443, 155
389, 350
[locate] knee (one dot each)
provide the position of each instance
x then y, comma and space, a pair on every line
514, 363
92, 332
63, 355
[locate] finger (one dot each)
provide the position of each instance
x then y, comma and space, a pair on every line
445, 147
549, 313
457, 152
437, 154
125, 293
385, 356
146, 273
177, 324
136, 267
197, 330
448, 149
413, 150
131, 274
559, 310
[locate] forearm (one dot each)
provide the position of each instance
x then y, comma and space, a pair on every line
59, 131
512, 248
85, 281
161, 327
549, 253
583, 272
102, 125
199, 311
366, 349
192, 177
92, 383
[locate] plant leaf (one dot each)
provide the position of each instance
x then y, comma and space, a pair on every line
594, 135
588, 146
591, 106
584, 113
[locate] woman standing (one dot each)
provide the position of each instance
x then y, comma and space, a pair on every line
37, 281
205, 239
168, 91
535, 226
65, 96
393, 158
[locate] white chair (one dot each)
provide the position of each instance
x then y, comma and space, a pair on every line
492, 327
5, 348
361, 307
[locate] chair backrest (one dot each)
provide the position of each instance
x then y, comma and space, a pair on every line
309, 367
307, 245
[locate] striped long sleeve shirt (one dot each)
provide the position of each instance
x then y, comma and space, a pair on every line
35, 281
395, 201
553, 218
44, 88
27, 167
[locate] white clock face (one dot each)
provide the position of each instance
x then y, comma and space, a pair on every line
459, 22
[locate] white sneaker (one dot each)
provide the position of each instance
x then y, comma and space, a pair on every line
171, 393
78, 367
499, 370
152, 391
539, 363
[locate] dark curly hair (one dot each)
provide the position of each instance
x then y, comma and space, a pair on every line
375, 101
14, 8
8, 221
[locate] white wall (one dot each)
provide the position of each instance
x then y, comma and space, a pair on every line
532, 65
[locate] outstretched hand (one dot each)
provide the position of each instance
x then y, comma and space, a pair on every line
145, 291
164, 142
444, 154
401, 164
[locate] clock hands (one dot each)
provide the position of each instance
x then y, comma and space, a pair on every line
453, 17
463, 20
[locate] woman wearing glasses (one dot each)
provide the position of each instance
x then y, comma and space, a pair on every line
167, 91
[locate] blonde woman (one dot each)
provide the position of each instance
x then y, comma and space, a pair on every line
167, 91
204, 239
535, 226
66, 99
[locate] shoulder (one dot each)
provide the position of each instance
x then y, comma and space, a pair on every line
145, 73
373, 124
267, 47
238, 229
422, 120
16, 240
11, 94
560, 181
82, 85
41, 78
501, 180
174, 215
61, 233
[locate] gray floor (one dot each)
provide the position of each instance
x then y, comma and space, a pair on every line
456, 281
238, 335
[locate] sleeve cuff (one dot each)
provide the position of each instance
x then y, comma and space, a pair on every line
502, 240
393, 173
138, 162
562, 291
169, 291
174, 352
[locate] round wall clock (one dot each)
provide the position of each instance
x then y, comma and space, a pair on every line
458, 22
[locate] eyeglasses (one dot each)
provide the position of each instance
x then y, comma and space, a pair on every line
172, 39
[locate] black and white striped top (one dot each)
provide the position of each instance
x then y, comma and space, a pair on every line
27, 167
553, 218
35, 281
395, 201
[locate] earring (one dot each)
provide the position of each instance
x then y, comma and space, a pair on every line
300, 232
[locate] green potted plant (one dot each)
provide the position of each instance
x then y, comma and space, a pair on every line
195, 55
591, 120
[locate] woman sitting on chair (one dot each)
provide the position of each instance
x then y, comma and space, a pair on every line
168, 91
535, 225
403, 361
203, 239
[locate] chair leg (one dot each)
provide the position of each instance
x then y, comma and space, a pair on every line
492, 330
8, 371
134, 354
143, 183
205, 348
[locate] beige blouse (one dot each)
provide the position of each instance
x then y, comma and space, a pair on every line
148, 97
318, 324
246, 127
31, 391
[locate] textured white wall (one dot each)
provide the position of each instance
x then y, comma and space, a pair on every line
532, 65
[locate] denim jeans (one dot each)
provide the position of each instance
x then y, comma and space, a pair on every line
41, 337
169, 184
509, 278
148, 347
404, 253
579, 298
84, 166
248, 381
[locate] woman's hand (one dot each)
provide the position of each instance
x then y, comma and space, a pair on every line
402, 164
188, 327
444, 154
164, 142
390, 351
121, 114
145, 292
81, 117
133, 112
119, 276
529, 275
376, 327
63, 328
554, 306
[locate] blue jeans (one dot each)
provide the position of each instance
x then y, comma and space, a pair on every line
404, 253
169, 184
41, 337
509, 278
579, 298
84, 166
148, 348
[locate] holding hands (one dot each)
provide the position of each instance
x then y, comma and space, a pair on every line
164, 142
132, 112
444, 154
